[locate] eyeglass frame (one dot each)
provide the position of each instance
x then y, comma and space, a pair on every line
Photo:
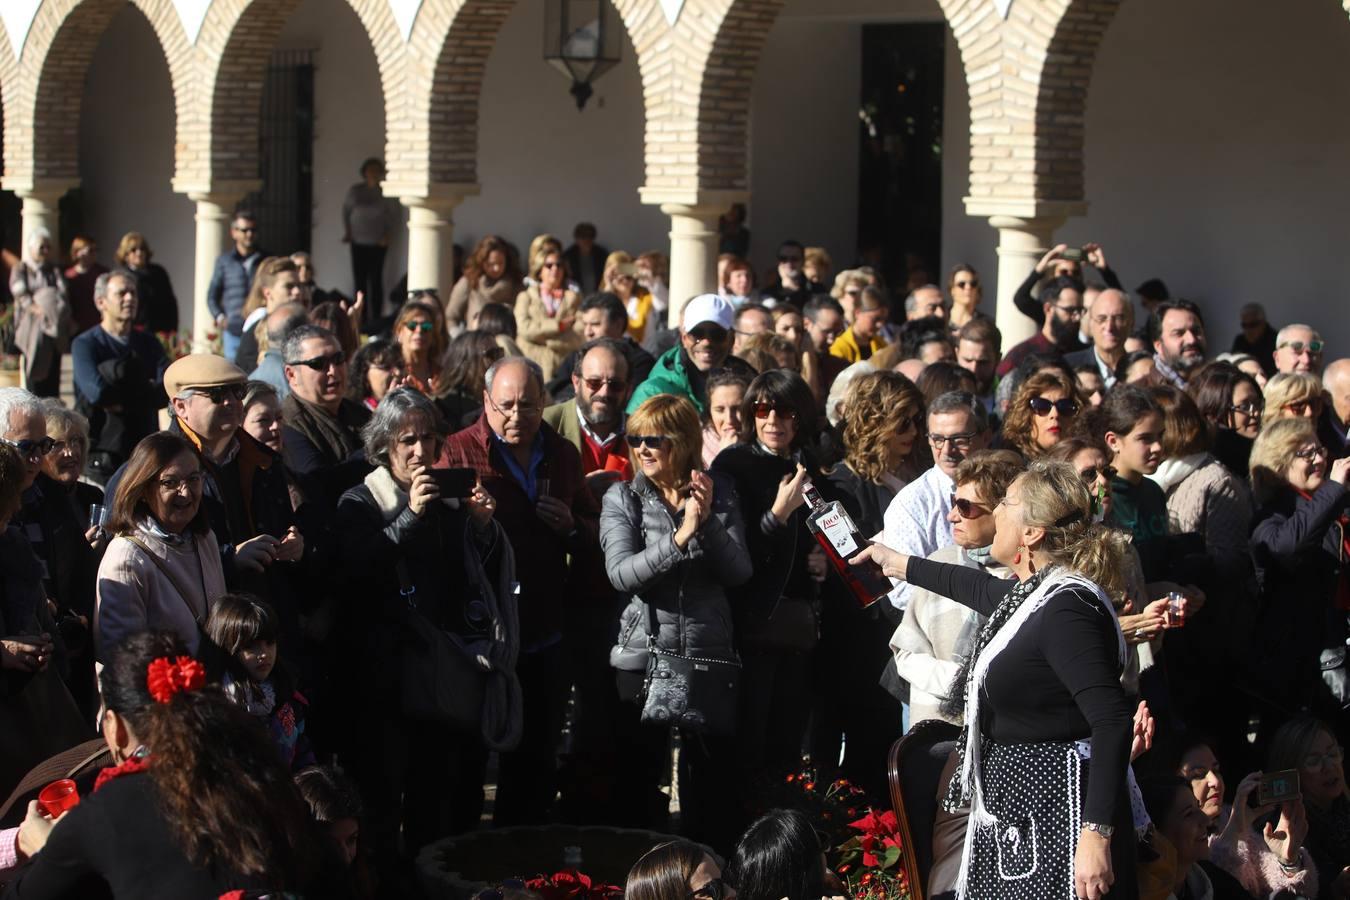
34, 450
176, 485
958, 502
530, 409
323, 362
961, 440
217, 393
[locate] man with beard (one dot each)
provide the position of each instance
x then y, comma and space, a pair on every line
602, 315
1062, 307
593, 419
1110, 322
322, 435
1178, 340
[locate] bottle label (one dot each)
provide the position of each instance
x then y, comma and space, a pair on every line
839, 530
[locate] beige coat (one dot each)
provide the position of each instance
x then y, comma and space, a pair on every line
465, 301
539, 333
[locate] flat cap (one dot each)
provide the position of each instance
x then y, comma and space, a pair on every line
201, 370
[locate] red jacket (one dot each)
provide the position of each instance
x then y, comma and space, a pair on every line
546, 583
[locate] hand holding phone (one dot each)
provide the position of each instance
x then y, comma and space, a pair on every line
456, 483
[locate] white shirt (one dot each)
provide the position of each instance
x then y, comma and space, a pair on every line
916, 522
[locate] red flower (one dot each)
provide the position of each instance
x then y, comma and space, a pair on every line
165, 677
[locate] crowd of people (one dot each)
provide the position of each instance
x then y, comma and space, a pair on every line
538, 535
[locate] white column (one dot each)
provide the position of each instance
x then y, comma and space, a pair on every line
693, 253
431, 234
213, 230
41, 208
1021, 244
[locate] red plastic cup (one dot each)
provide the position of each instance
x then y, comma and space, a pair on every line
58, 797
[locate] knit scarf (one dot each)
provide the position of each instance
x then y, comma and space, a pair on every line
963, 684
334, 438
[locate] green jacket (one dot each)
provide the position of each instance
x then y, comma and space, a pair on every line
562, 417
668, 377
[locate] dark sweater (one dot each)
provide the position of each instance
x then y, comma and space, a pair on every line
119, 386
1031, 306
1057, 680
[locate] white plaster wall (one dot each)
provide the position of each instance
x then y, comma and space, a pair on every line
1216, 148
348, 128
543, 165
126, 153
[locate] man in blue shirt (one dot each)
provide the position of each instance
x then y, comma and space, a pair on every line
119, 375
231, 280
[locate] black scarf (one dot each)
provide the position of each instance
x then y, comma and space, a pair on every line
337, 437
963, 684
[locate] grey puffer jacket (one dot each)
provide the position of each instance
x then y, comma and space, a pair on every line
687, 587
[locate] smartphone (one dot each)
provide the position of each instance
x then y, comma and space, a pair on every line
454, 482
1276, 787
1073, 254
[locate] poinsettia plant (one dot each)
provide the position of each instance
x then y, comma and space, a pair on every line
570, 884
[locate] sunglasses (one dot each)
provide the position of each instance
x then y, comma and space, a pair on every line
787, 258
967, 508
1091, 474
32, 449
1041, 406
551, 265
223, 392
967, 284
595, 384
762, 411
321, 363
1300, 346
651, 441
420, 325
713, 890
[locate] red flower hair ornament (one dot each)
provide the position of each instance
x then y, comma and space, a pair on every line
166, 677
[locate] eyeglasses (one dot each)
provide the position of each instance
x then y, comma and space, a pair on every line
1041, 406
1072, 312
222, 392
1299, 407
32, 449
653, 441
322, 363
1320, 760
967, 284
958, 441
521, 409
762, 411
174, 485
1311, 453
1314, 347
968, 509
713, 890
419, 325
1251, 410
595, 384
713, 334
1092, 473
904, 425
551, 265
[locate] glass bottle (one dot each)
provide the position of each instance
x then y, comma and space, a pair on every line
841, 540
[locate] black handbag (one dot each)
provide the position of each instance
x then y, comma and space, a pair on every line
693, 693
442, 679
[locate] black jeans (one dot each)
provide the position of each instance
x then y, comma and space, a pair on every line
368, 276
527, 781
775, 705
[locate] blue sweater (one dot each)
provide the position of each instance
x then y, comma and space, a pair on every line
229, 287
119, 385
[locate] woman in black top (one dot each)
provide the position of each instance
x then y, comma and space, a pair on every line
1042, 697
199, 804
777, 611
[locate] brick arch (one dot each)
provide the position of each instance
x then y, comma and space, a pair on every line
43, 105
449, 48
234, 45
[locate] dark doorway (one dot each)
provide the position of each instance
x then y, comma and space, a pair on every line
285, 205
900, 170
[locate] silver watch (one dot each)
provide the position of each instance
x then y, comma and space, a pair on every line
1104, 830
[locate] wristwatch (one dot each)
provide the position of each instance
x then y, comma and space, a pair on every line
1104, 830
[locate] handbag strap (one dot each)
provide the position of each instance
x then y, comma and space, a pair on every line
173, 579
653, 627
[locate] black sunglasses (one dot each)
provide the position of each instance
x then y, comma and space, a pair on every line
32, 449
654, 441
1091, 474
713, 334
321, 363
595, 384
220, 393
1041, 406
967, 508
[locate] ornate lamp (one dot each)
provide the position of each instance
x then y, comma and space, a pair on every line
581, 40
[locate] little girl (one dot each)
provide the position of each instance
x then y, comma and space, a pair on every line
245, 629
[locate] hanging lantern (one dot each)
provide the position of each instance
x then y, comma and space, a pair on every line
581, 40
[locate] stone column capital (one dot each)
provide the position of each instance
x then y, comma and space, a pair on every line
1029, 210
46, 189
691, 202
442, 197
219, 193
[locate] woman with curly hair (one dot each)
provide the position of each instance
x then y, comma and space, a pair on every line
492, 276
376, 370
420, 331
198, 805
882, 429
1041, 413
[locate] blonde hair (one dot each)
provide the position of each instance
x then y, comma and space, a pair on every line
540, 242
676, 418
130, 241
1057, 500
846, 279
1289, 387
1273, 453
874, 405
612, 262
268, 271
540, 256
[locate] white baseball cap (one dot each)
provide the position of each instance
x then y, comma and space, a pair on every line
707, 308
